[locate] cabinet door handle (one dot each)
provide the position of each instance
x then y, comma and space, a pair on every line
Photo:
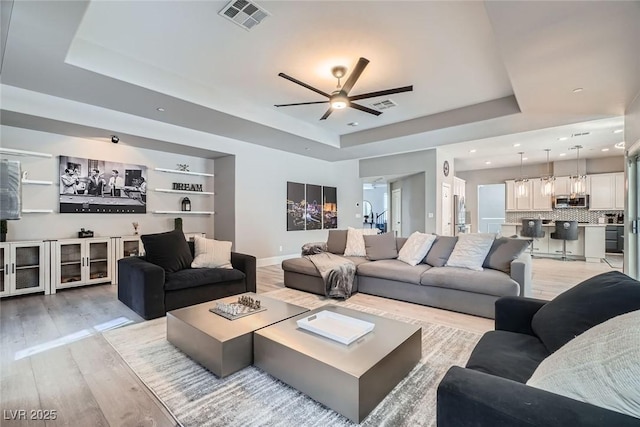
13, 268
87, 261
6, 269
83, 261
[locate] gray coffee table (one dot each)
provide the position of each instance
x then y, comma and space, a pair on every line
350, 379
220, 345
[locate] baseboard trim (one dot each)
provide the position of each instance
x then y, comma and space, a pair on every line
263, 262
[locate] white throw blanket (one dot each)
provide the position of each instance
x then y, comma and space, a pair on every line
337, 272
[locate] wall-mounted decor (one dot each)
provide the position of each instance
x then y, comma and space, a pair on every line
313, 218
311, 207
101, 186
329, 207
295, 206
187, 187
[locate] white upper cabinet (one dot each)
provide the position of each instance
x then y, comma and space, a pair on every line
606, 191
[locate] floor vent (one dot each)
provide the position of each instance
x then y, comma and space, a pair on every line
244, 13
383, 105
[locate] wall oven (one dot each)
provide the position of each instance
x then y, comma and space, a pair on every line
565, 201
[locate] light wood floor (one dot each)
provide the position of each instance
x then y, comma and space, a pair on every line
76, 373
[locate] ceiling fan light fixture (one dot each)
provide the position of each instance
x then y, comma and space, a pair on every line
339, 101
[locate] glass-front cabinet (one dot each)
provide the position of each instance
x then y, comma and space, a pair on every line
83, 262
23, 268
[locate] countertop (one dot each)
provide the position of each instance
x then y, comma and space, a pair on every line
552, 224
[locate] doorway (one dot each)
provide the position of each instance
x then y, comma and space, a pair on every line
396, 212
447, 211
491, 208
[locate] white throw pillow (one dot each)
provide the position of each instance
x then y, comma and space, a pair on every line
471, 250
416, 247
210, 253
355, 241
600, 366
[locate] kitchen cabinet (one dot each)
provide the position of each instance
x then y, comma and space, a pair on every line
23, 268
534, 201
562, 186
606, 191
81, 262
614, 238
123, 247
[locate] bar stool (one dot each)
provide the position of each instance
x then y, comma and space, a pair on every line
565, 230
532, 228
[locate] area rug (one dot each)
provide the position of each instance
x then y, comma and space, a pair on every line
251, 397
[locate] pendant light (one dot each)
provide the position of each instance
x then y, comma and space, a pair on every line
578, 182
522, 187
548, 181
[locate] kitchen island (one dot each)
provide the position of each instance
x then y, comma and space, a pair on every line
590, 245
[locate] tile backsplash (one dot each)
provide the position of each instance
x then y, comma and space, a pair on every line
582, 215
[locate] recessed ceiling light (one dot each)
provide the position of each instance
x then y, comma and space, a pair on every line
525, 158
516, 145
605, 149
620, 145
487, 162
564, 138
160, 109
473, 150
307, 148
563, 154
354, 124
578, 89
618, 131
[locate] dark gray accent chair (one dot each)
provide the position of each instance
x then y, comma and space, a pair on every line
491, 391
151, 290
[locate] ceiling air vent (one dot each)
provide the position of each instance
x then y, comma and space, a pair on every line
244, 13
384, 105
580, 134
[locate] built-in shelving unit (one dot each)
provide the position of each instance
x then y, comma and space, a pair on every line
36, 182
186, 212
166, 190
183, 172
37, 210
14, 152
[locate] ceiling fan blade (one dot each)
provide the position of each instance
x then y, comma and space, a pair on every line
301, 103
381, 93
355, 75
327, 114
296, 81
365, 109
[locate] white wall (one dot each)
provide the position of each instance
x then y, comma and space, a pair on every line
260, 173
57, 226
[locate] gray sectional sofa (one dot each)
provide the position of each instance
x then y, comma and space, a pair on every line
428, 283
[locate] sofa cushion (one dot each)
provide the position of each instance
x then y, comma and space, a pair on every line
304, 266
503, 251
440, 250
168, 250
393, 269
192, 277
400, 241
508, 355
337, 241
381, 246
600, 366
471, 250
488, 282
587, 304
416, 247
211, 253
355, 240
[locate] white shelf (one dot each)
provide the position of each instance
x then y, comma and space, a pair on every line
185, 212
36, 182
12, 152
37, 210
166, 190
183, 172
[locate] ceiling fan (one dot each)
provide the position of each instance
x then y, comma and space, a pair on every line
339, 98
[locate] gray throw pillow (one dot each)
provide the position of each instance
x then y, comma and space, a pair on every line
337, 241
440, 251
400, 241
168, 250
381, 246
503, 251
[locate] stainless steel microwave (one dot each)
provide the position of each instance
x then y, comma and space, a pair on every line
564, 202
